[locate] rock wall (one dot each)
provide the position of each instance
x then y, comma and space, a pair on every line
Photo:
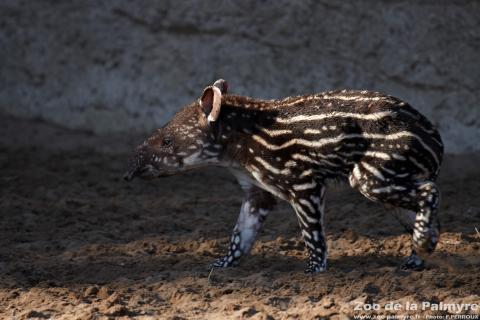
118, 66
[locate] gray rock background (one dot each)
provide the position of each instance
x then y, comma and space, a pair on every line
123, 66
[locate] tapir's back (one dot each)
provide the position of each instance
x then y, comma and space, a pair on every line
346, 126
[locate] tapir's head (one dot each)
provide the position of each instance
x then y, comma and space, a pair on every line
186, 142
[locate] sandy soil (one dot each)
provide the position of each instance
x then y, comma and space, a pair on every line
76, 242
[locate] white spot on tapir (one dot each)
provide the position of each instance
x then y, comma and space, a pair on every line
315, 200
193, 158
290, 163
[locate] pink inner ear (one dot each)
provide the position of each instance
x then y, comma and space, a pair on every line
207, 100
211, 102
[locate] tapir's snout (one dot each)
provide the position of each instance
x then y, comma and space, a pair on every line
135, 163
140, 165
133, 169
129, 175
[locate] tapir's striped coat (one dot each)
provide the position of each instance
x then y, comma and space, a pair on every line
289, 148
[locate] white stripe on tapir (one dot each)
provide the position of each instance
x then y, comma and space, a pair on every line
373, 170
312, 131
299, 156
305, 186
356, 98
270, 168
418, 164
388, 189
376, 154
303, 214
274, 133
307, 204
363, 116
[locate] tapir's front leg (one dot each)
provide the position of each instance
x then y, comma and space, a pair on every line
256, 205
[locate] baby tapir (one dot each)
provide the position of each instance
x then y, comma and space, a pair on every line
290, 148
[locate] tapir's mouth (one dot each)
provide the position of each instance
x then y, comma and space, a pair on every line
130, 174
147, 173
150, 172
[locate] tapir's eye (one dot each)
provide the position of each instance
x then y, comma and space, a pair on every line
166, 142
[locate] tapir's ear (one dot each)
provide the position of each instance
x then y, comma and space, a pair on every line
211, 100
222, 85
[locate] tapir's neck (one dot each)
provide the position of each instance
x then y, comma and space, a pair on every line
240, 118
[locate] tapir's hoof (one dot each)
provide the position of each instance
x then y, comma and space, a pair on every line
315, 267
225, 262
413, 263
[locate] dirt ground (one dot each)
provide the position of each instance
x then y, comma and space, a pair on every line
77, 242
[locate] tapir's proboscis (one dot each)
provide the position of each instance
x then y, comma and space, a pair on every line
290, 149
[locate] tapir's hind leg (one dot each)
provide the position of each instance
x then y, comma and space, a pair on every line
308, 204
426, 228
407, 219
421, 197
